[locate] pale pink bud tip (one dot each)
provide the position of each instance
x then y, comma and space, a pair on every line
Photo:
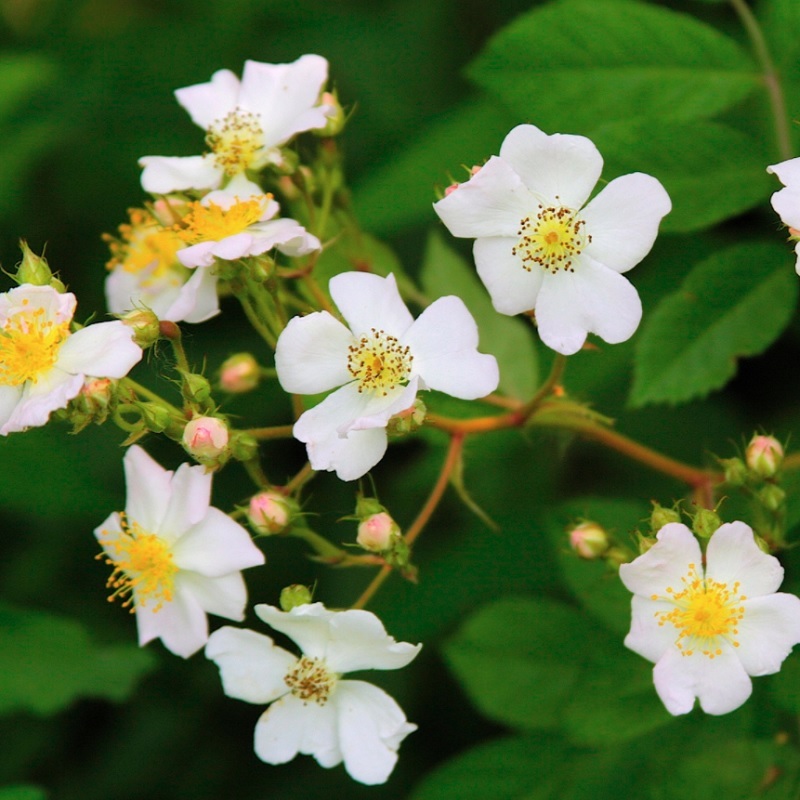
376, 531
205, 437
240, 373
451, 188
589, 540
268, 512
764, 456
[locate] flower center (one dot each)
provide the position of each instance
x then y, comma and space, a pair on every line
705, 612
379, 362
235, 140
29, 345
552, 239
144, 245
310, 679
144, 569
214, 223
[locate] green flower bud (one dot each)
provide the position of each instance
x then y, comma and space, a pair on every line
367, 506
294, 596
764, 456
336, 117
407, 421
772, 497
735, 471
705, 522
243, 446
661, 516
589, 540
196, 389
33, 269
155, 417
145, 324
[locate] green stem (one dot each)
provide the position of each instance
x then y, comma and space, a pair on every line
143, 391
260, 328
771, 78
274, 432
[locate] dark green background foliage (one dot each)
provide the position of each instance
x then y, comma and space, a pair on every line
523, 689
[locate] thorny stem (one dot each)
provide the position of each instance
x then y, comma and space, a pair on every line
450, 463
770, 75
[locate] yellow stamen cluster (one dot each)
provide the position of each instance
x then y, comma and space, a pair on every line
235, 140
144, 244
29, 345
212, 223
310, 679
551, 239
379, 362
144, 569
706, 612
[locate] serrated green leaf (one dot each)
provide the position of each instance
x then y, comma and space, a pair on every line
48, 661
537, 664
22, 792
519, 768
711, 171
401, 192
733, 304
444, 272
575, 64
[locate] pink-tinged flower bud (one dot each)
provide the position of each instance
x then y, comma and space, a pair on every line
145, 324
239, 373
451, 188
589, 540
764, 456
269, 512
376, 532
474, 170
336, 116
206, 440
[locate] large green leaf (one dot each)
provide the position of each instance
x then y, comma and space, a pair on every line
401, 192
444, 272
711, 171
534, 664
575, 64
22, 792
733, 304
47, 662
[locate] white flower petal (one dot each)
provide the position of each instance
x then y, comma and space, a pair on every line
181, 624
720, 684
371, 727
768, 631
212, 101
287, 235
225, 596
664, 564
9, 397
512, 288
733, 557
51, 391
491, 203
285, 96
57, 307
593, 299
369, 301
197, 255
623, 220
197, 299
311, 355
649, 637
444, 341
786, 203
788, 172
165, 174
561, 169
290, 726
190, 496
308, 625
216, 545
149, 489
103, 350
251, 667
797, 262
352, 457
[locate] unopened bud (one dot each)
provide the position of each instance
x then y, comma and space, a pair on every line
376, 532
145, 324
735, 471
155, 417
764, 456
336, 116
705, 523
33, 269
661, 516
589, 540
243, 446
239, 373
772, 497
206, 440
367, 506
269, 512
645, 542
295, 595
407, 421
451, 188
196, 388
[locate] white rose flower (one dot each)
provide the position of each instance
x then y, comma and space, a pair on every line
709, 628
380, 362
313, 710
175, 557
245, 122
540, 246
42, 364
786, 201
